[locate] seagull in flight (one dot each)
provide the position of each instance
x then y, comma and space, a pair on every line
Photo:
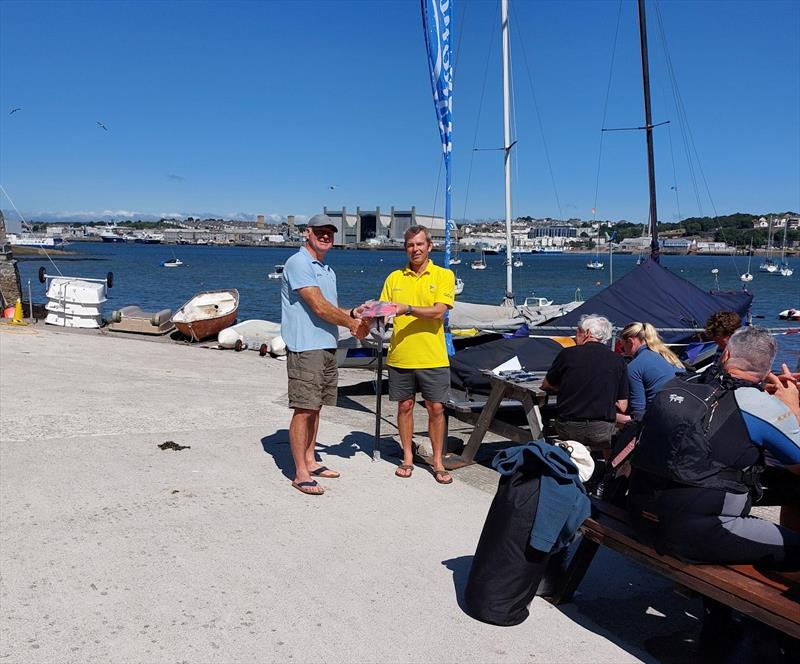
333, 186
101, 125
14, 110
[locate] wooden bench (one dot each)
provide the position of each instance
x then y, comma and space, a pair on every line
526, 396
768, 596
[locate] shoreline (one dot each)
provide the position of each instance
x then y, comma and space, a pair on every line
34, 253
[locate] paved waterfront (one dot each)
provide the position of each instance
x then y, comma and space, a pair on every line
112, 550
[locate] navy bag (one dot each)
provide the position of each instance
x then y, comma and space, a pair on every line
506, 570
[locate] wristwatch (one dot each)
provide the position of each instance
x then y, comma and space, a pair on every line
410, 310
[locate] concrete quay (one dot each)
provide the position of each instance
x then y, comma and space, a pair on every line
114, 551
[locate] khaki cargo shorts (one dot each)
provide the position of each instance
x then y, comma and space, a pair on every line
313, 378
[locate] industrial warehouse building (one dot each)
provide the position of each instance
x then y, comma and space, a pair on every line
374, 226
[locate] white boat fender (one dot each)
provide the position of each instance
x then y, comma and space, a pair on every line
277, 346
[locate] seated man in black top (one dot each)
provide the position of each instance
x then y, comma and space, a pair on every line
591, 382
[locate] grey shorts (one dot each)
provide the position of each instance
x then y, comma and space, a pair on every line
433, 383
595, 434
313, 378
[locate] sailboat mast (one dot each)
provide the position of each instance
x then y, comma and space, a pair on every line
648, 121
509, 297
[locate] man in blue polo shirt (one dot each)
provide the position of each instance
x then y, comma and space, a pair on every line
309, 315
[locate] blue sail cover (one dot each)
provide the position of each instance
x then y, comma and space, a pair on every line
651, 293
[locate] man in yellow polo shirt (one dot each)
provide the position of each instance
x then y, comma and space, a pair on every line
417, 358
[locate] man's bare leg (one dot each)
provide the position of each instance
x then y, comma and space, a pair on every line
405, 425
436, 434
311, 458
300, 436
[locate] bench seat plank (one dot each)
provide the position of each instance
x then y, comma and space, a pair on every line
768, 596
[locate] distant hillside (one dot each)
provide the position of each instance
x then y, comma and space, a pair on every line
734, 229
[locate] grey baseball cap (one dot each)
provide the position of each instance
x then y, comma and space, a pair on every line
322, 220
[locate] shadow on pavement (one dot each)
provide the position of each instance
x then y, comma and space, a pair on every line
634, 610
277, 446
460, 568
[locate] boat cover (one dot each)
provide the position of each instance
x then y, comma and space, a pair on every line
653, 294
534, 354
465, 315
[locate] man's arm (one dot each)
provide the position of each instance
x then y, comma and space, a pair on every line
785, 390
437, 311
549, 387
316, 301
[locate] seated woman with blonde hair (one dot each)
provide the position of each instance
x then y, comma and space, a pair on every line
651, 366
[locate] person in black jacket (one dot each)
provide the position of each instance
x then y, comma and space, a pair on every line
591, 382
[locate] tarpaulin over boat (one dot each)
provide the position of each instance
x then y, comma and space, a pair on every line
651, 293
534, 354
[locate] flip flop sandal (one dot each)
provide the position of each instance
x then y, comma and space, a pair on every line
303, 487
327, 473
437, 474
404, 466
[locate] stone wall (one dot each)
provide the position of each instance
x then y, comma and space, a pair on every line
9, 273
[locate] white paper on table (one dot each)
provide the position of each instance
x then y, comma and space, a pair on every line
509, 365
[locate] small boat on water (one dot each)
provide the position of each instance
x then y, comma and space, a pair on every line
459, 286
207, 314
479, 264
783, 267
277, 273
789, 314
517, 262
747, 277
172, 262
595, 265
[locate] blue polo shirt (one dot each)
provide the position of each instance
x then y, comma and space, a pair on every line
301, 328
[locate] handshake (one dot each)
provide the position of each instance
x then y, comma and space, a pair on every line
371, 309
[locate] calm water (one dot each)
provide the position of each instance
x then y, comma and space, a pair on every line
139, 278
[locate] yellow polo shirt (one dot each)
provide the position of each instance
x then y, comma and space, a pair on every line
418, 343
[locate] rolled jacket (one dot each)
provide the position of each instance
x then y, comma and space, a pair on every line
563, 502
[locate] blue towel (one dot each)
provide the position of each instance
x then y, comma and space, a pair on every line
563, 503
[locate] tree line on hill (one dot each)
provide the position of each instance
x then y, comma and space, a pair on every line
735, 229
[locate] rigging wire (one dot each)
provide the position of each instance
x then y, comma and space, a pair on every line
480, 110
25, 223
674, 173
539, 118
605, 109
689, 142
454, 69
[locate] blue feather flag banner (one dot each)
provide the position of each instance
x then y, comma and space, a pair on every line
437, 23
438, 26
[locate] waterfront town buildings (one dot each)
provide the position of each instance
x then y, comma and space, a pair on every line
377, 228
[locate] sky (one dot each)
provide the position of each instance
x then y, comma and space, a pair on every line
232, 109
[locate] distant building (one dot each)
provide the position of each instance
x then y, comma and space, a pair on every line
367, 226
260, 221
553, 231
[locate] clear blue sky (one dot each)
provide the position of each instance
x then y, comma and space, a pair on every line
259, 107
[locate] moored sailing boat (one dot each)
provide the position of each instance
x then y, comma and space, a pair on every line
769, 265
783, 268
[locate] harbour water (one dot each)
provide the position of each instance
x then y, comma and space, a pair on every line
140, 279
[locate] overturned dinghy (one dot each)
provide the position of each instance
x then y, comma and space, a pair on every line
261, 335
75, 302
207, 314
132, 319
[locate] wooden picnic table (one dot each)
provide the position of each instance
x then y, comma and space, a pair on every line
505, 391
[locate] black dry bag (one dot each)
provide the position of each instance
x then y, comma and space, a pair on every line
506, 571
